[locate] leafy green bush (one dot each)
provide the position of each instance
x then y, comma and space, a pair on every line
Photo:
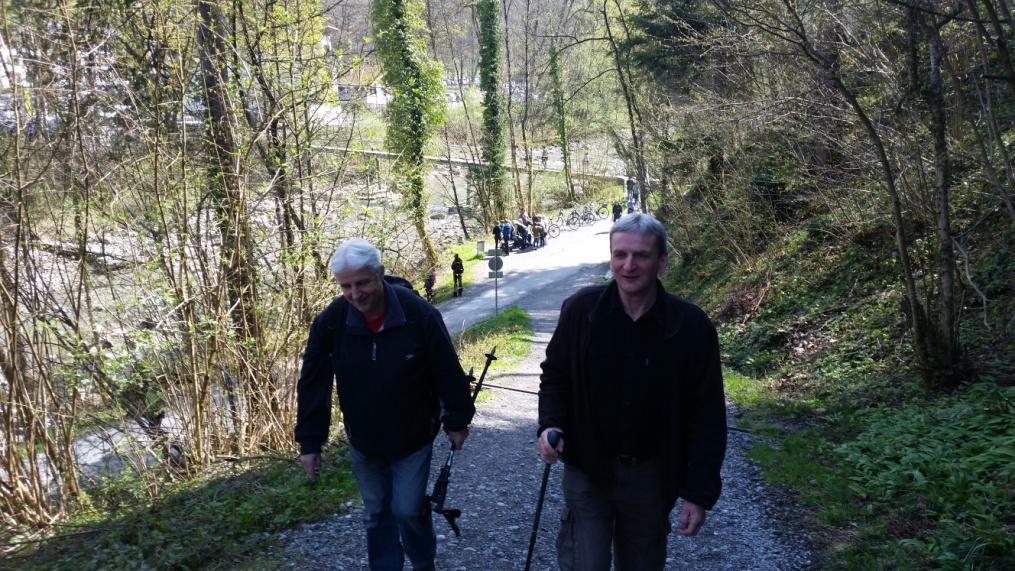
949, 465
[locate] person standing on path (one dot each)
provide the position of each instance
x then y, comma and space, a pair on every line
496, 235
633, 381
429, 283
457, 269
507, 235
618, 210
399, 380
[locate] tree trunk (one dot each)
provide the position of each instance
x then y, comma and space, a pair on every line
525, 113
633, 113
560, 109
444, 132
918, 312
947, 355
513, 145
224, 181
412, 77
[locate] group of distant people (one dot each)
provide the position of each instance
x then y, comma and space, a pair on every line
521, 233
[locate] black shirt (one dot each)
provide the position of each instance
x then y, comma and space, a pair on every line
639, 411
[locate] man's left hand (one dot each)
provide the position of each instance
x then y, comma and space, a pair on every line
457, 438
691, 517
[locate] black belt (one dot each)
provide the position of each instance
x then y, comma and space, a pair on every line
629, 460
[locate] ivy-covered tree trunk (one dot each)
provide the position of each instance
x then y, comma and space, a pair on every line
516, 176
493, 105
417, 104
560, 113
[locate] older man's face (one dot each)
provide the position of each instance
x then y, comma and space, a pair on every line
363, 289
635, 262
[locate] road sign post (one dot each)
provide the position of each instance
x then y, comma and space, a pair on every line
495, 265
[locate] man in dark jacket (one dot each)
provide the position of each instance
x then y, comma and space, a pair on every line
457, 269
398, 381
496, 235
632, 380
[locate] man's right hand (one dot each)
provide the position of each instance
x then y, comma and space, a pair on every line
547, 452
311, 465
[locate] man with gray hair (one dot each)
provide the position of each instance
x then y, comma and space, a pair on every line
633, 382
399, 381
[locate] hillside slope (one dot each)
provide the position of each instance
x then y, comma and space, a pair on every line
817, 353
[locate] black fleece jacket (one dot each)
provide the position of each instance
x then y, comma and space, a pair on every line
395, 387
577, 394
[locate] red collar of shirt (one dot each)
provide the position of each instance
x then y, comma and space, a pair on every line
376, 323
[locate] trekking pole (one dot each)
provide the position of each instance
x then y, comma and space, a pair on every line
440, 493
490, 357
440, 486
553, 437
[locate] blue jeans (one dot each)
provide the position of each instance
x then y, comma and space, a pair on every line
396, 510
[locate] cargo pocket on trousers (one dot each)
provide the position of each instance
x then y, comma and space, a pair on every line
565, 541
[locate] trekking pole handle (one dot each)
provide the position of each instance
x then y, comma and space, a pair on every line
490, 357
553, 437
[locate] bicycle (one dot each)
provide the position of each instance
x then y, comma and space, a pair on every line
574, 220
560, 218
553, 229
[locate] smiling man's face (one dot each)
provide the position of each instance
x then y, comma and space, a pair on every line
364, 290
635, 262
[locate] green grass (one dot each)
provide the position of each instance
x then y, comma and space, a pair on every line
744, 390
924, 485
510, 331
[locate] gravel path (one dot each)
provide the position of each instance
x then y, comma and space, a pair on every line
495, 482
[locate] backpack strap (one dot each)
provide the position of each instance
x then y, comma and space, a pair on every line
336, 325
